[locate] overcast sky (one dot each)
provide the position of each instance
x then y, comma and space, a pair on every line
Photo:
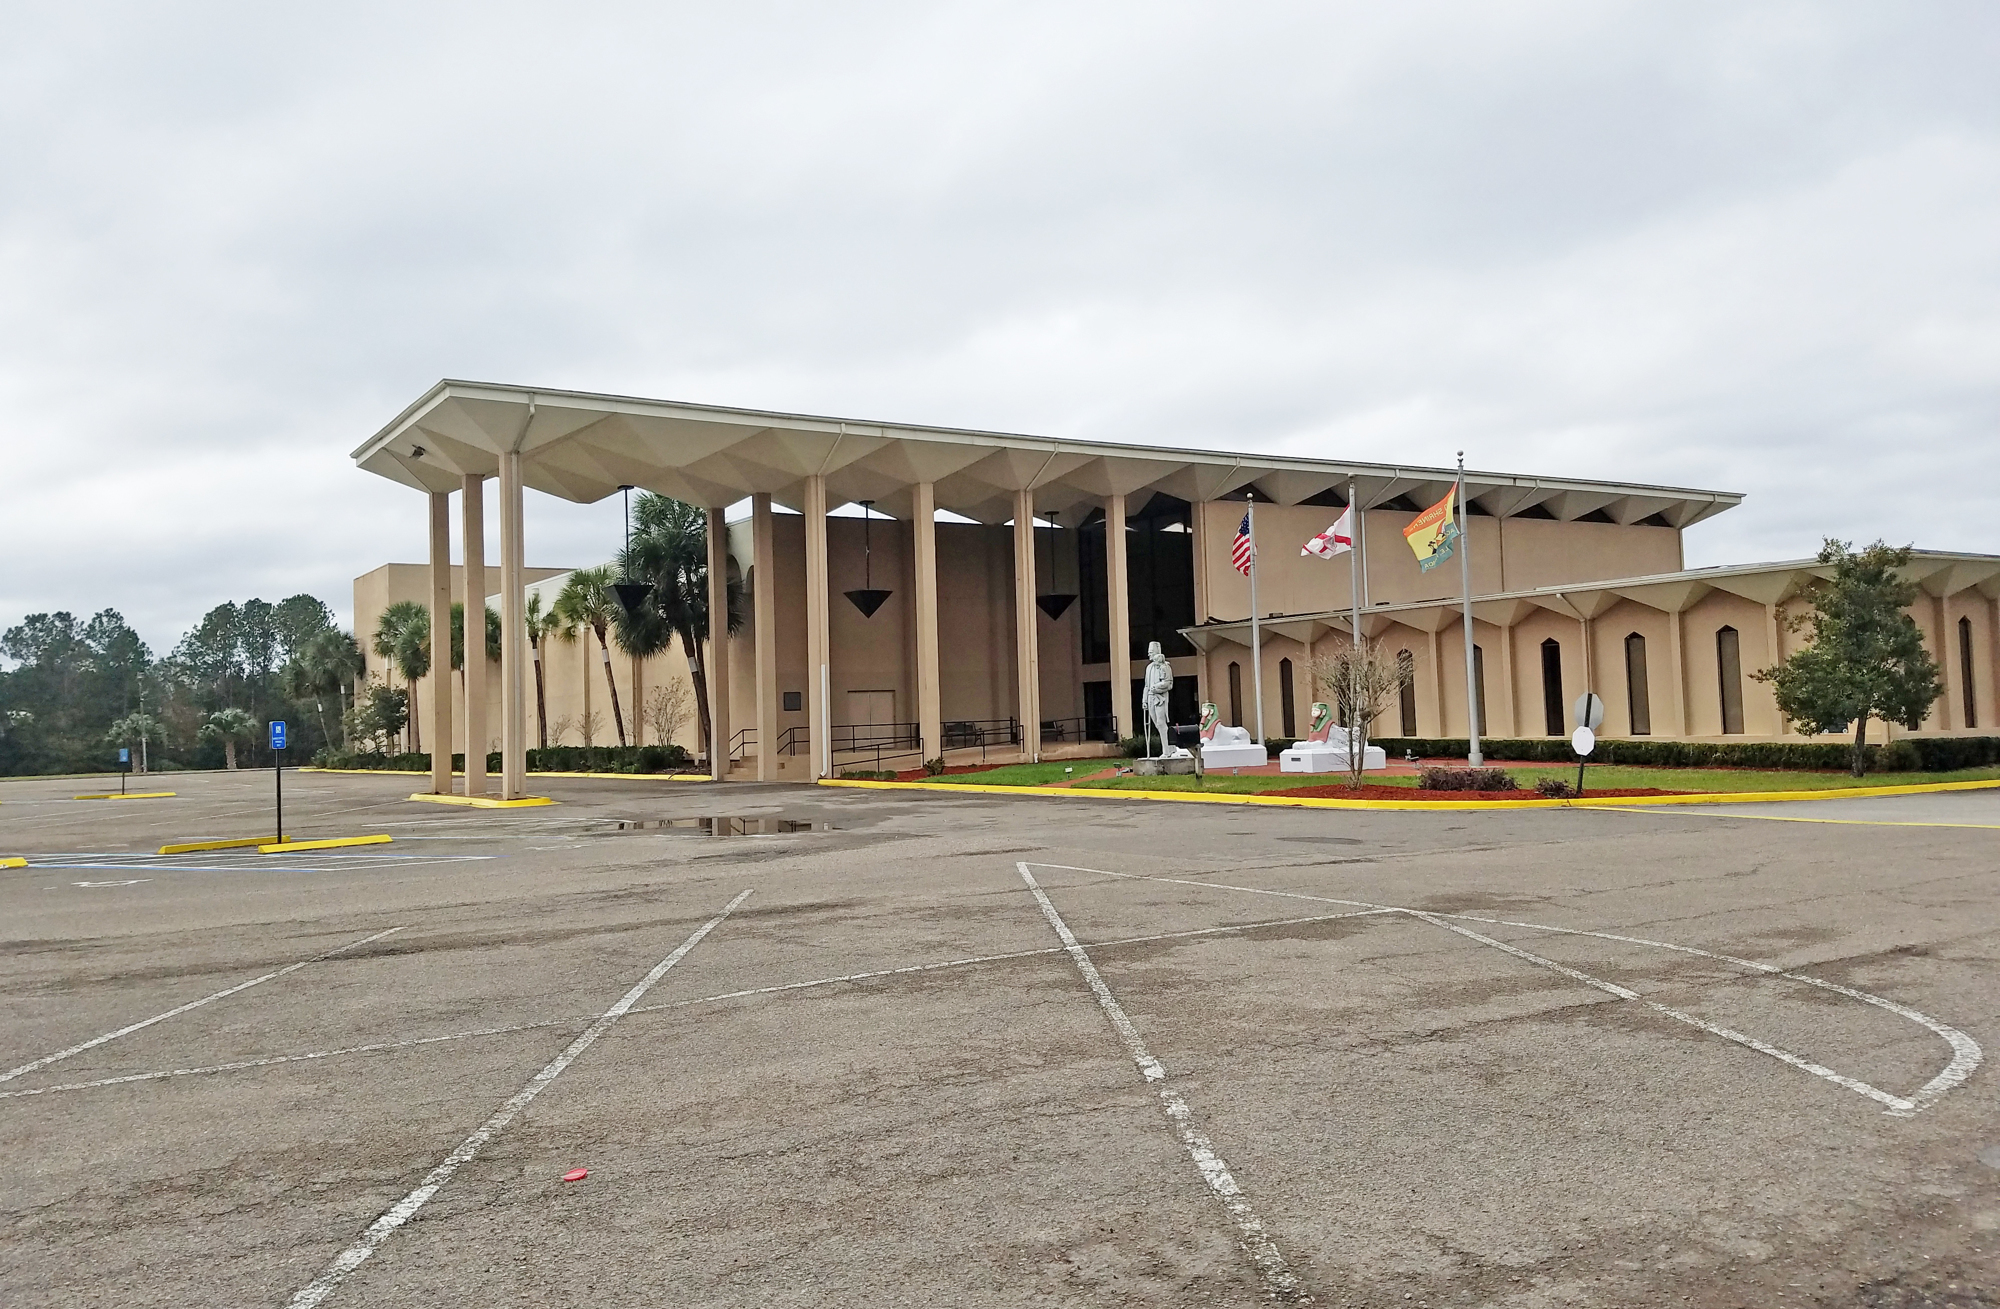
1747, 246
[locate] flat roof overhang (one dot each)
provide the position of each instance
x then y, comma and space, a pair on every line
582, 447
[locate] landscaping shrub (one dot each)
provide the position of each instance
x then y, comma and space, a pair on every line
869, 774
1554, 788
555, 759
1434, 778
1926, 754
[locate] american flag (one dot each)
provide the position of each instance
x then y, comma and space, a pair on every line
1241, 549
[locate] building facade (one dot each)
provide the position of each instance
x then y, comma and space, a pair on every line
998, 597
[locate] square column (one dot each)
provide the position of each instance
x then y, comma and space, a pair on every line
1121, 615
513, 635
718, 646
440, 507
930, 704
475, 621
764, 603
1677, 673
1027, 652
1946, 653
819, 673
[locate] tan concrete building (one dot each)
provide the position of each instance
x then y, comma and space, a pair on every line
1103, 548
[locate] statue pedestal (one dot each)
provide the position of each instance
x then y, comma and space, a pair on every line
1164, 767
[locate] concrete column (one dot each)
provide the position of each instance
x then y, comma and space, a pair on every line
1513, 698
1678, 662
1437, 686
1947, 657
475, 647
1993, 654
764, 605
1117, 583
1027, 646
1772, 633
930, 696
1198, 529
718, 646
513, 635
440, 734
819, 671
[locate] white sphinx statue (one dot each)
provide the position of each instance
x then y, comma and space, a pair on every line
1228, 747
1325, 748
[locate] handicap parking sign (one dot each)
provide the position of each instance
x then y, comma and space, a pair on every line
277, 733
124, 755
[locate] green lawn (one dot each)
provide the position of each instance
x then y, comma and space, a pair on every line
1605, 778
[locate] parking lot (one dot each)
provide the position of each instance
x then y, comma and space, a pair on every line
835, 1047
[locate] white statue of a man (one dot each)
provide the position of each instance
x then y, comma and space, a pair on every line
1158, 690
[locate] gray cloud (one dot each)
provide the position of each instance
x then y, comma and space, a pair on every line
1749, 246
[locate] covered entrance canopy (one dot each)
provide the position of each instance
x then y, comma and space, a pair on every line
583, 447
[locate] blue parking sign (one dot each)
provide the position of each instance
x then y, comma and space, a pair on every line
277, 733
124, 755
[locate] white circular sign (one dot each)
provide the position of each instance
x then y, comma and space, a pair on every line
1583, 741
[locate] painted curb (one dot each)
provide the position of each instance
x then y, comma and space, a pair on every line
189, 847
612, 777
14, 861
1314, 802
483, 801
132, 795
290, 846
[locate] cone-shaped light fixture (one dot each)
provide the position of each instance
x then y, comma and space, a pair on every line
1053, 603
630, 594
867, 598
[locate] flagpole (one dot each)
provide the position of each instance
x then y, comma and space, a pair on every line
1256, 620
1354, 595
1473, 757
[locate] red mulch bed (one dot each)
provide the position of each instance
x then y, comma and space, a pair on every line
919, 775
1412, 793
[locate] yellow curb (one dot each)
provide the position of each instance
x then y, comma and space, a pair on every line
1314, 802
290, 846
134, 795
14, 862
613, 777
189, 847
483, 801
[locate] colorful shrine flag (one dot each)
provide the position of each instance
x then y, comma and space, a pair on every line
1432, 532
1335, 540
1242, 548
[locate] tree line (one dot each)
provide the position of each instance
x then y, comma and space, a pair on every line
80, 691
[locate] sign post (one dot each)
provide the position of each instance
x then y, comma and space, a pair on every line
124, 757
1589, 710
278, 771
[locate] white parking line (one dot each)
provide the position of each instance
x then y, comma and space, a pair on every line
95, 1041
406, 1208
1279, 1280
1966, 1054
378, 1047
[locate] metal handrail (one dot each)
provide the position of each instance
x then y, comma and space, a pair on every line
745, 737
856, 741
1103, 727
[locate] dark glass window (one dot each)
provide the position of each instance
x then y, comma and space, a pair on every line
1286, 705
1729, 672
1638, 703
1552, 687
1235, 694
1406, 665
1965, 673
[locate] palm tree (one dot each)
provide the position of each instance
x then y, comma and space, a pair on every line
232, 725
587, 600
327, 664
458, 639
670, 550
402, 639
542, 625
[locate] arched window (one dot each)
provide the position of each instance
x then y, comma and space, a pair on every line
1552, 687
1406, 695
1638, 703
1729, 673
1965, 672
1235, 694
1479, 688
1285, 697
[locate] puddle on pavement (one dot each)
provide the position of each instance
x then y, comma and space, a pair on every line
754, 826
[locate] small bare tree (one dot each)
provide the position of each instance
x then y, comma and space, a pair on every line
669, 709
590, 725
559, 728
1363, 681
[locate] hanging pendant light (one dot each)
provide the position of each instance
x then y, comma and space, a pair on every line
630, 594
867, 598
1053, 603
